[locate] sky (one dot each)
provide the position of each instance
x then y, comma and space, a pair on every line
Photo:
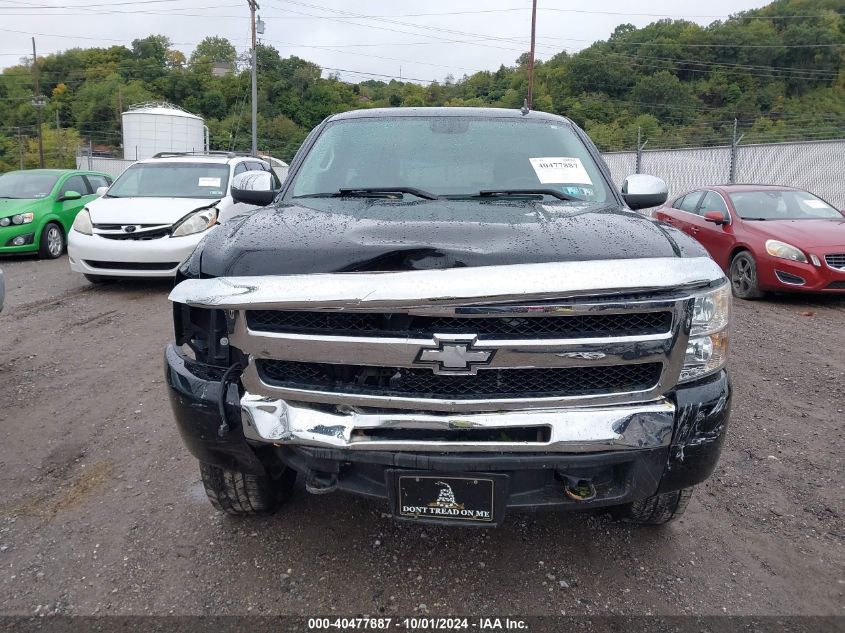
407, 39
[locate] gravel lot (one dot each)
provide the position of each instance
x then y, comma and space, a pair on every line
102, 510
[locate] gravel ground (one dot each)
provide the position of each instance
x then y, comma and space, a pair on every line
102, 510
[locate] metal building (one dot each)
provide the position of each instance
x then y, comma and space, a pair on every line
150, 128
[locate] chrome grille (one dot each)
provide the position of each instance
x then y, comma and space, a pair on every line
422, 383
415, 326
836, 260
587, 350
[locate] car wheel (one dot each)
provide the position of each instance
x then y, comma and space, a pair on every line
97, 279
744, 282
52, 243
245, 494
655, 510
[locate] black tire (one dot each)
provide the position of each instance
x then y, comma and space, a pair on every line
243, 494
52, 242
655, 510
743, 275
96, 279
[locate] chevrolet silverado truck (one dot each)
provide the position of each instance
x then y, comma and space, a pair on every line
453, 311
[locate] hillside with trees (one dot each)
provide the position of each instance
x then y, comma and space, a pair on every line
778, 71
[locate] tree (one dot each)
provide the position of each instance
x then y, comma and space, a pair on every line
213, 50
664, 96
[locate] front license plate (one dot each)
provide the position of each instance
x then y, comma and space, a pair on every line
467, 498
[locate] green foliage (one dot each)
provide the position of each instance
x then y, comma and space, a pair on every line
676, 82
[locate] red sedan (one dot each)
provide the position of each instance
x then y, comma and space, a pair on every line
766, 238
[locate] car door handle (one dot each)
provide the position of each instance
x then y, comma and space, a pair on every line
693, 229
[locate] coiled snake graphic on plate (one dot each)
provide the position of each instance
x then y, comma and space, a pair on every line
446, 498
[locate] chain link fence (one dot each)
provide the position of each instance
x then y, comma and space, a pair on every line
111, 166
817, 166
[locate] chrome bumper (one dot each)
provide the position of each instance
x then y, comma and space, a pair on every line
573, 430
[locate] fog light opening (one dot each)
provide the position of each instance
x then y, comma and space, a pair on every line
577, 488
320, 483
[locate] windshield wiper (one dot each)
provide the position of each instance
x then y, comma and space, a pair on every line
756, 219
493, 193
371, 192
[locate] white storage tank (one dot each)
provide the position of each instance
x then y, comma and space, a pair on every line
150, 128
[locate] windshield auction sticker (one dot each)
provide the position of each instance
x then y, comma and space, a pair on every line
559, 170
208, 182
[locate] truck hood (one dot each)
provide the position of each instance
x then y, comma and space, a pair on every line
801, 233
379, 235
143, 210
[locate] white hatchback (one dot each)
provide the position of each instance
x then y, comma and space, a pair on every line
155, 213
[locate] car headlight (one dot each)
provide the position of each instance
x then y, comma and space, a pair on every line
195, 223
18, 218
82, 223
707, 348
776, 248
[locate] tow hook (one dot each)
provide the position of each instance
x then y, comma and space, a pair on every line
320, 483
578, 489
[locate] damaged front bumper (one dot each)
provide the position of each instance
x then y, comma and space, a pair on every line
630, 452
574, 430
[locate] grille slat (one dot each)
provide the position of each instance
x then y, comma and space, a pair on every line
836, 260
410, 326
489, 383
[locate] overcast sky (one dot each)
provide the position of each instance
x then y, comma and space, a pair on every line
396, 36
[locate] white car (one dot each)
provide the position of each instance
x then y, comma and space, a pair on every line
156, 212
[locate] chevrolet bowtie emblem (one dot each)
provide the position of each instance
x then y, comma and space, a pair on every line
454, 354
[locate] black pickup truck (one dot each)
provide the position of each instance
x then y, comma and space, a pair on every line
455, 311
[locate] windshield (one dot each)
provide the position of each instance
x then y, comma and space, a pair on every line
782, 205
26, 185
172, 180
450, 156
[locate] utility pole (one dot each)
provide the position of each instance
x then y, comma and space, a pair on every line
735, 140
531, 56
640, 147
253, 7
20, 147
59, 144
38, 102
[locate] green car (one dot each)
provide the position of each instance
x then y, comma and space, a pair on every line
38, 206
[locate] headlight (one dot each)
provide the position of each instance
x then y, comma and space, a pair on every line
20, 218
82, 223
5, 221
195, 223
776, 248
707, 349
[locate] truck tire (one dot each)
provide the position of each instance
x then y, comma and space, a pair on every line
655, 510
245, 494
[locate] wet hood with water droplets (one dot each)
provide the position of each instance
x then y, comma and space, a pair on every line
329, 235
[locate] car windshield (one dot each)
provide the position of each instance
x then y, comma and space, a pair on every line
452, 156
24, 185
172, 180
782, 205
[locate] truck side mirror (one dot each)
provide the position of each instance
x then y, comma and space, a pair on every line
253, 187
641, 191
